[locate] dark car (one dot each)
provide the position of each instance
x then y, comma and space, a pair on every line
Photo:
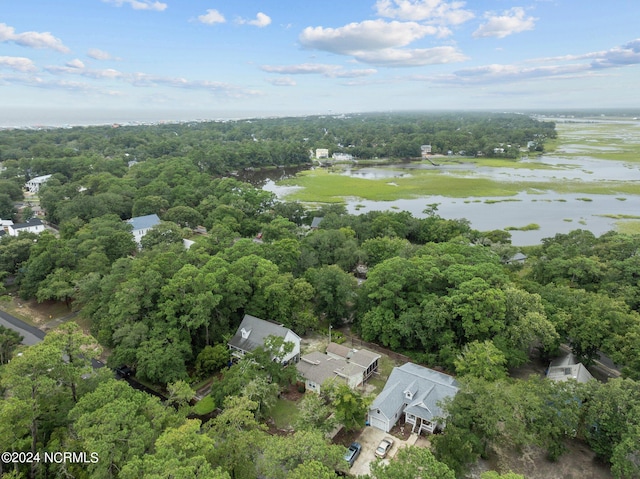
124, 371
352, 453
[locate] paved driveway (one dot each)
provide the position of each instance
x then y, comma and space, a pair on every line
369, 438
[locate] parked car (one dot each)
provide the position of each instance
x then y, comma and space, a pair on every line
352, 453
384, 447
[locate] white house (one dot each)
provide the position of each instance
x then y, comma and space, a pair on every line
34, 184
34, 225
252, 333
322, 153
142, 225
416, 392
425, 150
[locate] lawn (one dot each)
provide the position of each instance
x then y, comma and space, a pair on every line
284, 413
204, 406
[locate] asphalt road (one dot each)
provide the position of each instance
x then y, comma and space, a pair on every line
31, 335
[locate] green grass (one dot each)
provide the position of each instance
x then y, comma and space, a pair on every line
284, 413
385, 366
529, 227
620, 216
325, 187
204, 406
628, 227
492, 202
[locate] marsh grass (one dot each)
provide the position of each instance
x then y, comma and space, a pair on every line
326, 187
628, 227
529, 227
620, 216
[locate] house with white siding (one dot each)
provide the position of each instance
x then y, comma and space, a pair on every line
34, 225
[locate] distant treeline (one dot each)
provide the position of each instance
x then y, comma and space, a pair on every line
224, 146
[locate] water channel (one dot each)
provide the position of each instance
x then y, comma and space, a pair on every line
553, 212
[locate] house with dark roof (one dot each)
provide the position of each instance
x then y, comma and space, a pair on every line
415, 392
34, 225
567, 367
340, 364
142, 224
253, 332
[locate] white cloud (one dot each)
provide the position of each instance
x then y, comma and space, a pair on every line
331, 71
561, 67
75, 63
436, 11
140, 4
397, 57
97, 54
368, 35
283, 81
20, 64
510, 22
261, 20
212, 17
31, 39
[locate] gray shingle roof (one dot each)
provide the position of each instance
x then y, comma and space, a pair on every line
319, 367
144, 222
428, 388
31, 222
258, 330
568, 367
361, 357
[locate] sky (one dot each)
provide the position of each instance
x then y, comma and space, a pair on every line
74, 61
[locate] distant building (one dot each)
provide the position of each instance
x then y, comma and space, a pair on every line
315, 223
425, 150
142, 225
342, 157
34, 225
568, 367
322, 153
34, 184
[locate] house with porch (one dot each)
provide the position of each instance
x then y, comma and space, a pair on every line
415, 392
339, 363
252, 334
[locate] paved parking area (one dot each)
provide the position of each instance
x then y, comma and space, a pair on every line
369, 438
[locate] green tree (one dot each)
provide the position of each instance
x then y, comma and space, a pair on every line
482, 360
350, 406
118, 423
335, 292
412, 463
284, 454
212, 359
496, 475
9, 340
314, 414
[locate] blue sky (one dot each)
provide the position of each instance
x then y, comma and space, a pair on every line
212, 59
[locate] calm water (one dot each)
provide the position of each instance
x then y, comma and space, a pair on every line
555, 213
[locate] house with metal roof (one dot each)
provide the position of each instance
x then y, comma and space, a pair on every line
142, 224
415, 392
34, 184
252, 334
568, 367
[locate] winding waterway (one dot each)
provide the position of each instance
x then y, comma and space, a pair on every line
573, 161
